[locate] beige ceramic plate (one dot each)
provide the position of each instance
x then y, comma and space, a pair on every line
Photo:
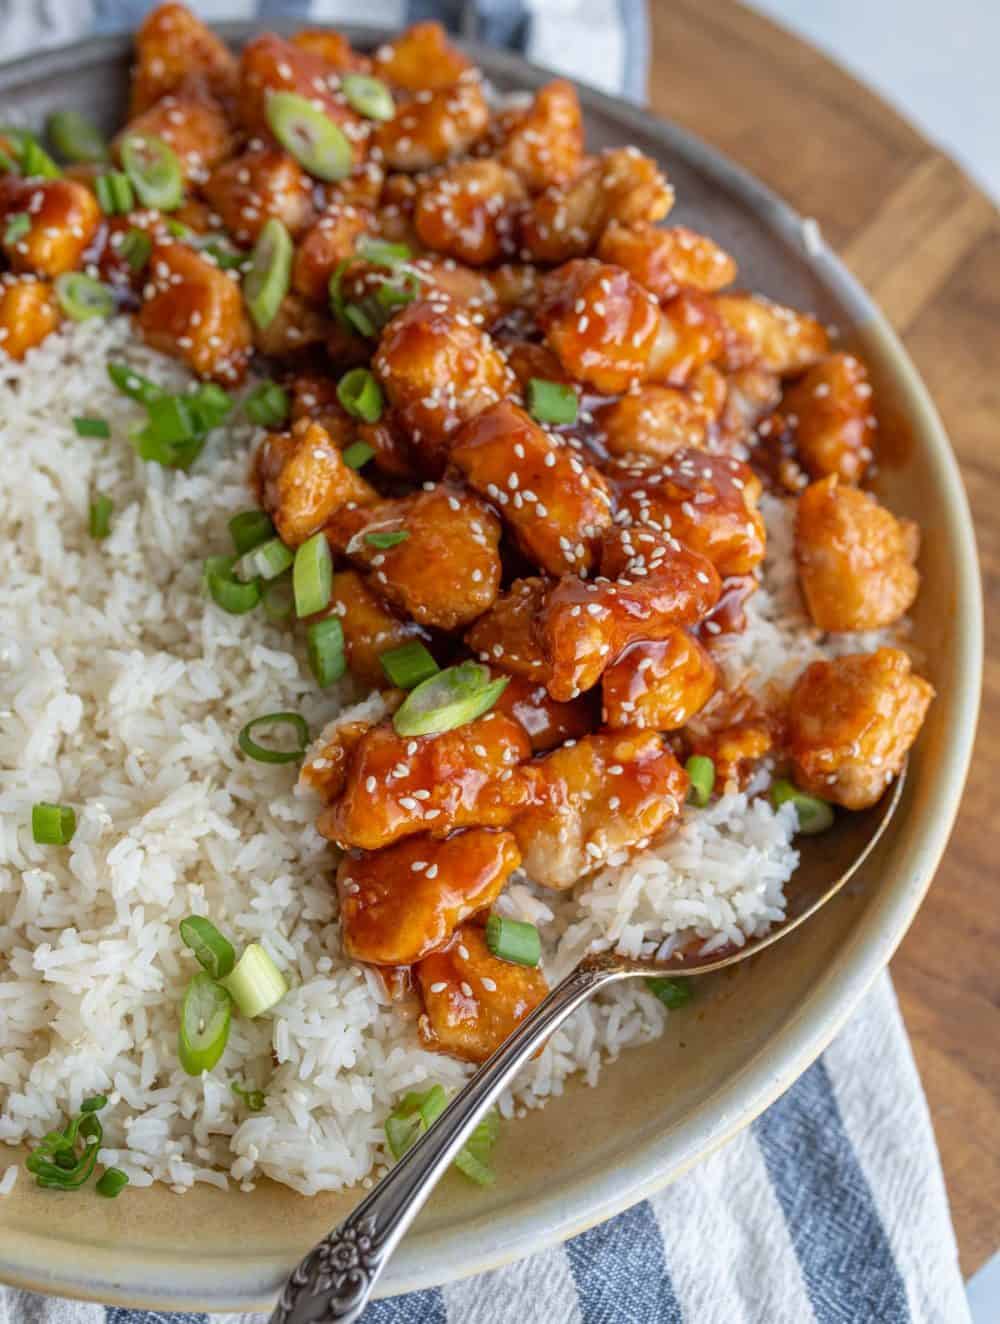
662, 1107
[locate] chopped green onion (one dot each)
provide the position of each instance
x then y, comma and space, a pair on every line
408, 665
178, 230
701, 773
154, 170
210, 404
325, 643
224, 255
317, 143
473, 1159
56, 1162
114, 193
100, 517
514, 941
358, 454
270, 274
204, 1030
358, 320
814, 815
81, 296
390, 538
390, 296
94, 1104
368, 96
91, 427
17, 227
453, 697
551, 402
279, 601
382, 253
673, 993
249, 529
336, 292
135, 247
52, 825
75, 137
262, 753
256, 984
268, 561
133, 384
214, 953
111, 1183
312, 576
414, 1113
170, 420
254, 1099
35, 160
227, 591
267, 405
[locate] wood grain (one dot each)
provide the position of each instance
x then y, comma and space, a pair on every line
926, 243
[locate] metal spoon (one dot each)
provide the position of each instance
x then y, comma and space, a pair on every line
337, 1277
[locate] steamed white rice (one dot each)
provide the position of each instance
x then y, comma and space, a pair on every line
122, 690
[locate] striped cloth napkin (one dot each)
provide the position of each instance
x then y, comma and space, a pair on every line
831, 1208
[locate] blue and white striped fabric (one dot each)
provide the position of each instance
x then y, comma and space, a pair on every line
831, 1208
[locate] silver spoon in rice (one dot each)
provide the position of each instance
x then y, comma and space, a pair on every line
336, 1279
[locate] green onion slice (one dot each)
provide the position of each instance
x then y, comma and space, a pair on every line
361, 395
316, 142
814, 815
223, 254
91, 427
325, 643
388, 538
357, 455
267, 561
267, 405
312, 576
414, 1113
81, 296
512, 940
256, 984
114, 193
358, 320
57, 1162
336, 293
215, 954
254, 1099
278, 600
270, 274
382, 253
18, 225
368, 96
35, 161
101, 509
265, 754
249, 529
210, 404
51, 824
154, 170
135, 247
453, 697
701, 772
551, 402
133, 384
673, 993
111, 1183
408, 665
391, 295
75, 137
205, 1017
473, 1159
227, 591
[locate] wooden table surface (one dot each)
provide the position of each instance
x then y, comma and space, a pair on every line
926, 242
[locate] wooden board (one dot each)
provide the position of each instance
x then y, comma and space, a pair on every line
926, 242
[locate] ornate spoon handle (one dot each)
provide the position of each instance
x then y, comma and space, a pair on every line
337, 1277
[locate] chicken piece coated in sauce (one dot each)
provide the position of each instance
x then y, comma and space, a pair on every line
324, 770
735, 731
547, 722
399, 904
62, 220
691, 336
303, 481
609, 792
261, 183
851, 722
751, 394
760, 331
665, 261
193, 125
544, 144
855, 558
473, 1001
528, 359
370, 628
446, 570
468, 289
658, 684
296, 326
334, 48
556, 505
505, 636
830, 413
654, 421
192, 310
421, 58
171, 45
397, 786
434, 128
438, 370
29, 311
649, 584
468, 211
707, 501
330, 241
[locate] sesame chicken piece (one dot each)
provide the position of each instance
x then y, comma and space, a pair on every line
707, 501
193, 311
191, 122
707, 387
544, 143
665, 261
851, 722
333, 48
315, 397
28, 312
468, 210
473, 1000
296, 326
547, 722
362, 188
654, 421
421, 58
649, 583
759, 331
515, 285
606, 793
438, 370
658, 684
399, 904
735, 732
467, 288
370, 628
324, 770
555, 504
690, 337
527, 359
261, 183
505, 635
855, 558
446, 571
830, 412
751, 394
397, 786
434, 127
63, 218
327, 243
170, 45
303, 481
567, 219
